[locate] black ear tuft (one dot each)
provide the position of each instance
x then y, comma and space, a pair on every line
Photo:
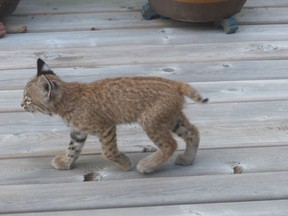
42, 68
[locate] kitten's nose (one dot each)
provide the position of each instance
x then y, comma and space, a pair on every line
22, 104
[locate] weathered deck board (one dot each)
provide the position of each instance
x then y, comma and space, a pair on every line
263, 16
88, 21
133, 19
77, 57
265, 4
164, 36
254, 124
188, 72
262, 208
245, 124
51, 142
73, 6
143, 192
209, 162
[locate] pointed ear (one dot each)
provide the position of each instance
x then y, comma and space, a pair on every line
46, 86
43, 68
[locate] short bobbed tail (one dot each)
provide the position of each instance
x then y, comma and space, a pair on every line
192, 93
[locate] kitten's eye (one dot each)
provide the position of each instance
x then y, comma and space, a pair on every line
28, 102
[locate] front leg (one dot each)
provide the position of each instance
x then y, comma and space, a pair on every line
67, 160
110, 150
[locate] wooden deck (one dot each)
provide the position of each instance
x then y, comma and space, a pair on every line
242, 165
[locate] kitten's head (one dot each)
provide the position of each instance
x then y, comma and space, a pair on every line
40, 93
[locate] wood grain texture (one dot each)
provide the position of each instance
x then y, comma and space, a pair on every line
52, 142
133, 19
267, 3
81, 57
143, 192
241, 167
72, 6
209, 162
187, 72
122, 37
260, 208
257, 15
221, 125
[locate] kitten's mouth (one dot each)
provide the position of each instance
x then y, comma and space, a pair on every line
28, 110
41, 111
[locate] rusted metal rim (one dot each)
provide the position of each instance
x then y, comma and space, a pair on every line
197, 10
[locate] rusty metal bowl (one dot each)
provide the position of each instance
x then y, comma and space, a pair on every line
7, 7
197, 10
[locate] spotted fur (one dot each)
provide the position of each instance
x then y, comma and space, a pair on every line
98, 107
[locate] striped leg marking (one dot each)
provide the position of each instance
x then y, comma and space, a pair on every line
190, 134
110, 151
76, 144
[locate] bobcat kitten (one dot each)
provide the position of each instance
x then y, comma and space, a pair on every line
97, 107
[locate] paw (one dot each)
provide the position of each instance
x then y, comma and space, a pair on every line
127, 167
125, 164
62, 162
183, 161
145, 168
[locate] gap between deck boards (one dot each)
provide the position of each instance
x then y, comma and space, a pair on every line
96, 168
144, 192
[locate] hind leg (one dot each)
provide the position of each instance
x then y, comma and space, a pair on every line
190, 134
156, 122
162, 137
